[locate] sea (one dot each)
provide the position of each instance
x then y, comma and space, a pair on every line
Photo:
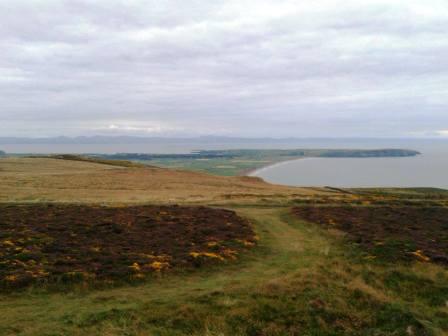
430, 169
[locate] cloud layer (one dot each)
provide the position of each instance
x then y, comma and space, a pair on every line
246, 68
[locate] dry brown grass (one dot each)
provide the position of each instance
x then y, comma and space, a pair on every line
41, 179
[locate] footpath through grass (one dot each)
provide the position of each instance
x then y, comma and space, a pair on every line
300, 281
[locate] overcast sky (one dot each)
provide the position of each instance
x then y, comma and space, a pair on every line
223, 67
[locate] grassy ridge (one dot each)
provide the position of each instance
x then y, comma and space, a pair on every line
81, 158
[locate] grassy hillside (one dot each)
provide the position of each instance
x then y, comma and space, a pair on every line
52, 180
305, 276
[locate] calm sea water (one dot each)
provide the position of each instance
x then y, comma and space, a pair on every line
427, 170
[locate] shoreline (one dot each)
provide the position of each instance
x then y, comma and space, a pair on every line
255, 171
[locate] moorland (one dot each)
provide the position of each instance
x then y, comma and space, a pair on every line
118, 248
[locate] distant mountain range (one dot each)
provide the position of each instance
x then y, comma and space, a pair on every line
199, 140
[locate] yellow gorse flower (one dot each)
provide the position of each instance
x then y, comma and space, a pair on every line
419, 254
206, 254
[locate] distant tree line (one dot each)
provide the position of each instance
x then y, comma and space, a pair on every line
2, 153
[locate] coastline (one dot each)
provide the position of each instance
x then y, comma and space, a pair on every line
256, 171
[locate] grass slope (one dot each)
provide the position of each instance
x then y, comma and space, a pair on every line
50, 180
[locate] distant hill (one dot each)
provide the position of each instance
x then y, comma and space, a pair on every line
102, 139
2, 153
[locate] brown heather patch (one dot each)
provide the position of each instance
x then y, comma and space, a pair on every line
388, 233
50, 243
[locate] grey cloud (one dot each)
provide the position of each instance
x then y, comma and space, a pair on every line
376, 68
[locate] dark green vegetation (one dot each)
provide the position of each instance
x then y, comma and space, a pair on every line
72, 243
388, 233
403, 193
73, 157
236, 162
397, 197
